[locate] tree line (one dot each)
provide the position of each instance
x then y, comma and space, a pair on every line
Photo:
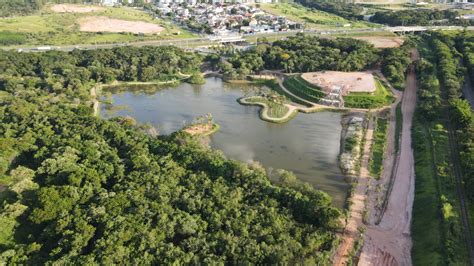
394, 64
419, 17
436, 206
300, 53
82, 190
63, 72
451, 76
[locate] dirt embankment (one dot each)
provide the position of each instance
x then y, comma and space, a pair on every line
383, 42
105, 24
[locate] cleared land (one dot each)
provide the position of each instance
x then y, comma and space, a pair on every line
66, 8
382, 42
105, 24
203, 129
347, 81
53, 28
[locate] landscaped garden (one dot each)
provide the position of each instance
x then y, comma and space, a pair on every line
301, 88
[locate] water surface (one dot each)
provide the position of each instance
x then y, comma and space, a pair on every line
308, 145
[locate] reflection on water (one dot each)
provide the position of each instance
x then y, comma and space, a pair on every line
308, 145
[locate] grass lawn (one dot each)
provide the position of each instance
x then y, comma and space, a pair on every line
311, 18
48, 27
381, 97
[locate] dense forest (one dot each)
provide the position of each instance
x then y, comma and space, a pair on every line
64, 72
302, 53
394, 64
77, 189
418, 17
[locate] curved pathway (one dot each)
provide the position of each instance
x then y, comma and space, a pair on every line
292, 109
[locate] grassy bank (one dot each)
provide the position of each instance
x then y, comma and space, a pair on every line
311, 18
301, 88
378, 147
381, 97
275, 87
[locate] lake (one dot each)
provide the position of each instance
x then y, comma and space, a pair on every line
307, 145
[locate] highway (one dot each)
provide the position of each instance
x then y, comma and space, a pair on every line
192, 43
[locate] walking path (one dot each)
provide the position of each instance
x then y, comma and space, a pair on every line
351, 232
292, 110
389, 242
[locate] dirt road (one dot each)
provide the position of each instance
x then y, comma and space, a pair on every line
389, 243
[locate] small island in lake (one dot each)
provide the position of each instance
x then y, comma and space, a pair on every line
203, 126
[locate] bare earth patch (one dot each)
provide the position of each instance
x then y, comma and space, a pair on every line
70, 8
383, 42
105, 24
345, 81
203, 129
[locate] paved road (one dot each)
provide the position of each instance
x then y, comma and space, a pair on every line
193, 43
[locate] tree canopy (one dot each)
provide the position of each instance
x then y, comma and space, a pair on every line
302, 53
83, 190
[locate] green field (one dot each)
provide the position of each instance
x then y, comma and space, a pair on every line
50, 28
381, 97
311, 18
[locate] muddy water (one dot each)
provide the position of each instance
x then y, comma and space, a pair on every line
308, 145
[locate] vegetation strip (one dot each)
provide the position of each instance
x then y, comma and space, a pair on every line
378, 147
